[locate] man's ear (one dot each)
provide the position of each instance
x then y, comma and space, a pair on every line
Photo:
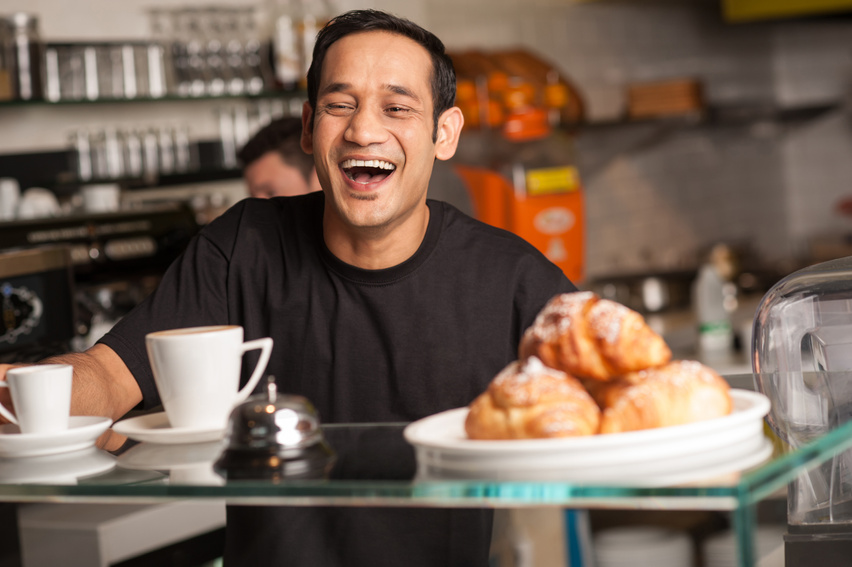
449, 129
307, 140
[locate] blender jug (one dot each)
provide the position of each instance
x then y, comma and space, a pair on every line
802, 359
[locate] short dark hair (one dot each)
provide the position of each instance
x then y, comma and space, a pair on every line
443, 73
283, 136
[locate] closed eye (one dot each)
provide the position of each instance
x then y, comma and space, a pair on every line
337, 109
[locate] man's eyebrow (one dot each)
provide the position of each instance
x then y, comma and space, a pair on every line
343, 87
404, 91
334, 88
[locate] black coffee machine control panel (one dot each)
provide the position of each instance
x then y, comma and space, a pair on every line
110, 245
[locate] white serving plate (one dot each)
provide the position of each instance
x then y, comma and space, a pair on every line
653, 456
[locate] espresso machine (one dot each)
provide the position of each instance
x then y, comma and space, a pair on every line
36, 303
802, 359
112, 261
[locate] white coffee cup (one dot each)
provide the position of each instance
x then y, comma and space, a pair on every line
41, 395
197, 372
103, 198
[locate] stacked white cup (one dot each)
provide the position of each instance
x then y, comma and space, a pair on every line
10, 195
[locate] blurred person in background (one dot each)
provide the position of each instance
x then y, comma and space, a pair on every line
274, 164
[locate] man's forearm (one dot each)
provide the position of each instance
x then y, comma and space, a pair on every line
103, 385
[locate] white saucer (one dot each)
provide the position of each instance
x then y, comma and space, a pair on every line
155, 428
168, 457
186, 464
64, 468
82, 432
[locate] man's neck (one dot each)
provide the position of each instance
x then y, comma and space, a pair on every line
376, 248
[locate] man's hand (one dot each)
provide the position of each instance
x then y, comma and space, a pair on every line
5, 396
103, 385
110, 440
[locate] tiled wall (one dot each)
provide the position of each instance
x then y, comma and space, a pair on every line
659, 207
658, 197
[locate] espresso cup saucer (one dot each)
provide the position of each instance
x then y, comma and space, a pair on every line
147, 456
155, 428
186, 464
61, 468
82, 432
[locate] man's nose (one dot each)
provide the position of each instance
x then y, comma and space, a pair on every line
365, 128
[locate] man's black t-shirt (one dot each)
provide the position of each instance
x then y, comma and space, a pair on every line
363, 345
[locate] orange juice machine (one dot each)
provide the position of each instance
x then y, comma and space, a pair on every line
543, 205
517, 109
802, 359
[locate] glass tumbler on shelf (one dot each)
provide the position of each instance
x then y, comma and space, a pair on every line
72, 73
257, 73
211, 30
26, 56
234, 53
158, 55
79, 142
178, 44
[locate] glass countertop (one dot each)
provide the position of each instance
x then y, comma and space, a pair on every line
374, 466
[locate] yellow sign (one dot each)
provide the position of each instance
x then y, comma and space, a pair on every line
751, 10
552, 180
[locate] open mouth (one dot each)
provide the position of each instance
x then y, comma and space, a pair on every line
367, 171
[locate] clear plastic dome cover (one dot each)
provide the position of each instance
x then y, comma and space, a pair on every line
802, 360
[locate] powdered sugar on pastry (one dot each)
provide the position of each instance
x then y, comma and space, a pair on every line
606, 319
556, 317
528, 400
677, 393
589, 337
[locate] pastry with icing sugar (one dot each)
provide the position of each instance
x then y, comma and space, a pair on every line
528, 400
589, 337
681, 392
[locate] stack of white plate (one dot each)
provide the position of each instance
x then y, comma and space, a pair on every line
720, 550
642, 545
655, 457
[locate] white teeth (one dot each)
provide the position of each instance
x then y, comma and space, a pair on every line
368, 163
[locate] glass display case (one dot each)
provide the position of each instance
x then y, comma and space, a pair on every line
375, 466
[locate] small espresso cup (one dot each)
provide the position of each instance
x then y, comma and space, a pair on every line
41, 395
197, 372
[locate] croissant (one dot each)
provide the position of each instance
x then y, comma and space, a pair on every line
679, 392
592, 338
528, 400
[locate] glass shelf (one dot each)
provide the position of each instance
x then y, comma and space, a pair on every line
376, 467
148, 100
726, 115
361, 479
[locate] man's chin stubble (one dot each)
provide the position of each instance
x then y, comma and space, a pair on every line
364, 196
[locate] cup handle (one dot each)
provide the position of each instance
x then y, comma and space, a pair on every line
5, 412
265, 345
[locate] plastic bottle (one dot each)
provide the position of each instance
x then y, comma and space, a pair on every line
715, 333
